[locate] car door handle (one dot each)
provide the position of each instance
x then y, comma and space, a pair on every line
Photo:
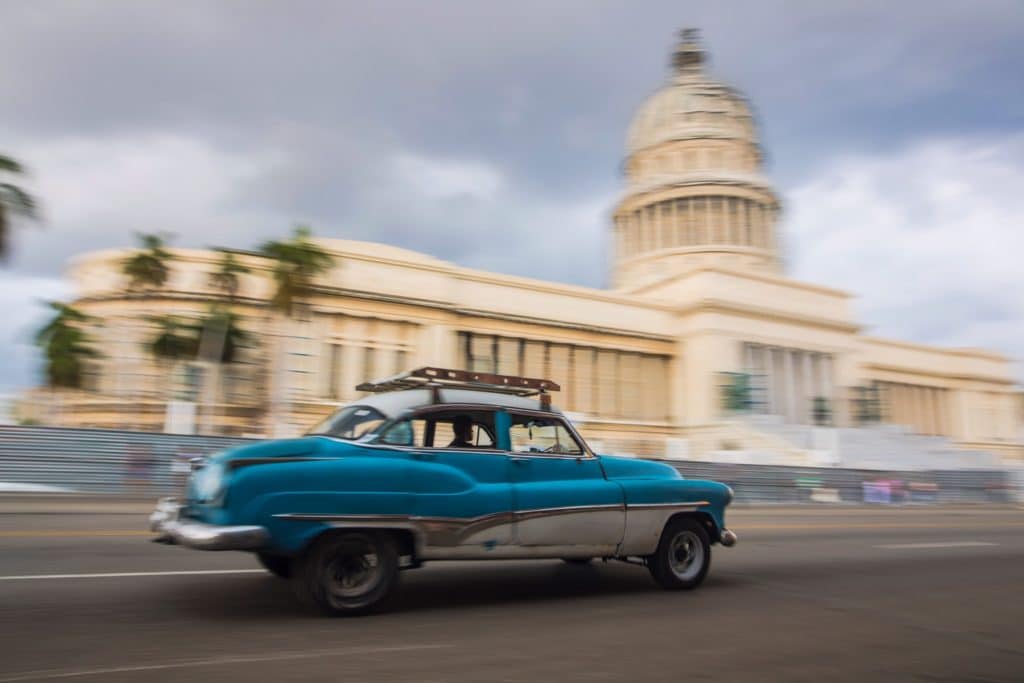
519, 459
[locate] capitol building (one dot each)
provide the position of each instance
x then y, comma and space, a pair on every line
702, 347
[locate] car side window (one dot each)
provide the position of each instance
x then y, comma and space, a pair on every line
405, 433
445, 436
529, 434
470, 428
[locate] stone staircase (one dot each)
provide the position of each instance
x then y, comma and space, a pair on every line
736, 441
872, 447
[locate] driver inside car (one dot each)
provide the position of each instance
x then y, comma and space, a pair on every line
462, 425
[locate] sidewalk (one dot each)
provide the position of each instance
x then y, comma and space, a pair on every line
75, 503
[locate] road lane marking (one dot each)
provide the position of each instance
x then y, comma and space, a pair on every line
52, 674
951, 544
91, 533
120, 575
875, 525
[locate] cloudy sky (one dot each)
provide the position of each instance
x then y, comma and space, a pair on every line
491, 134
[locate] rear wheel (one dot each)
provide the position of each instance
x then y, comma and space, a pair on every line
683, 556
278, 565
348, 573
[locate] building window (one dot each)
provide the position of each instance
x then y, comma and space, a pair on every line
602, 383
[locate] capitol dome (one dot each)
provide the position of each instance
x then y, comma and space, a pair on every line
694, 188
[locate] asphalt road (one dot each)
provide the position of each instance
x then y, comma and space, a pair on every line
807, 595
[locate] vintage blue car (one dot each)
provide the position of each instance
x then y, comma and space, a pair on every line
442, 465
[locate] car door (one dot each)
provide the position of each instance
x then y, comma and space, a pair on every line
560, 494
463, 497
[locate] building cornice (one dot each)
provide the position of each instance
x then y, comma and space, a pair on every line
637, 191
959, 376
730, 307
953, 351
736, 272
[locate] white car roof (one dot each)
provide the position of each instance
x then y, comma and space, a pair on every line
394, 403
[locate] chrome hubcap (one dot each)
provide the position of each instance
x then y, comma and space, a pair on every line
354, 570
686, 555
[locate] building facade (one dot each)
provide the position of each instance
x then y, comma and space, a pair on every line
700, 329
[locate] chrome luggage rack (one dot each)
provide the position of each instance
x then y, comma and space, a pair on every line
443, 378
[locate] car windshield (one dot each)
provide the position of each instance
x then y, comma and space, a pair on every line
351, 422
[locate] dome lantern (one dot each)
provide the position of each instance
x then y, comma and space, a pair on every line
689, 55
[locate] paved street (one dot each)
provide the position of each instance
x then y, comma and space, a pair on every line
814, 594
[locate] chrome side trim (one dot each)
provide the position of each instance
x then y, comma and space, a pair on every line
666, 506
447, 532
441, 536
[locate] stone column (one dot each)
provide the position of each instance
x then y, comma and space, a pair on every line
769, 379
656, 226
705, 229
933, 415
745, 222
915, 408
667, 226
787, 357
808, 388
691, 222
677, 227
634, 233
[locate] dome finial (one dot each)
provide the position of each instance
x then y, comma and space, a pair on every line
689, 53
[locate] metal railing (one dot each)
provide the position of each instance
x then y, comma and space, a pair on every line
760, 484
101, 460
145, 463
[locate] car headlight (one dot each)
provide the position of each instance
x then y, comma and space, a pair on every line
208, 482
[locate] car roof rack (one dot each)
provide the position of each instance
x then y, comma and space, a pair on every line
443, 378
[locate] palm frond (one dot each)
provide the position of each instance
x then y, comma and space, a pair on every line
298, 262
10, 165
17, 200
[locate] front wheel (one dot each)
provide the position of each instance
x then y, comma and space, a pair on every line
683, 556
347, 573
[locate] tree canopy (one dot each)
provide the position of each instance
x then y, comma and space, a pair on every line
148, 267
66, 346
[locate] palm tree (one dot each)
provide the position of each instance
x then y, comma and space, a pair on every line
176, 340
221, 335
14, 201
147, 268
297, 262
66, 346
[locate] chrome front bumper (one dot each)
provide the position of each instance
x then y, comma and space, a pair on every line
728, 538
167, 522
